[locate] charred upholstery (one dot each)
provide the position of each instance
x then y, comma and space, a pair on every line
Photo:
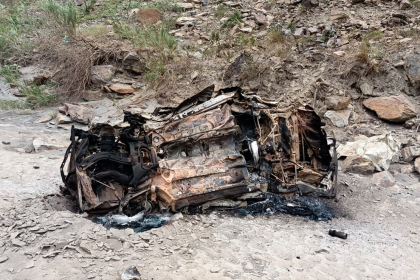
213, 145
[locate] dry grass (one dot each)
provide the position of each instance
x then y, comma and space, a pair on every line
72, 62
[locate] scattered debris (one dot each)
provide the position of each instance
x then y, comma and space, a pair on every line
130, 273
338, 234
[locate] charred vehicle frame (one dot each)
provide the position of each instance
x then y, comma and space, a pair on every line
214, 145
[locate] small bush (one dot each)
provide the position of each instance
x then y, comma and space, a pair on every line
234, 19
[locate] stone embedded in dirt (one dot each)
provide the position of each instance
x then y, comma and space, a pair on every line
366, 89
260, 19
102, 74
148, 16
406, 169
185, 6
337, 102
405, 4
417, 164
412, 68
392, 108
298, 32
246, 29
338, 15
357, 164
40, 145
383, 179
188, 21
122, 88
79, 113
44, 119
338, 118
30, 264
313, 30
409, 153
63, 119
92, 95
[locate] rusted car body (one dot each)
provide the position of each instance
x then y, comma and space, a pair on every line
213, 145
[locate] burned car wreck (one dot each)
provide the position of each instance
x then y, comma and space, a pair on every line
214, 145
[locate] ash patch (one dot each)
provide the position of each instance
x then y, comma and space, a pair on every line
139, 222
309, 207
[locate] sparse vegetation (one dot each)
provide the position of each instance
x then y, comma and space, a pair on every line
327, 34
292, 27
245, 40
220, 11
155, 39
164, 5
234, 19
10, 74
64, 15
36, 96
16, 22
12, 104
276, 36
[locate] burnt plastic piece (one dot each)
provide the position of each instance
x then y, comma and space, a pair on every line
338, 234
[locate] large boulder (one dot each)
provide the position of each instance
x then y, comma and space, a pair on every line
148, 16
380, 149
102, 74
412, 68
392, 108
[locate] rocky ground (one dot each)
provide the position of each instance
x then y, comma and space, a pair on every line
43, 237
356, 62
